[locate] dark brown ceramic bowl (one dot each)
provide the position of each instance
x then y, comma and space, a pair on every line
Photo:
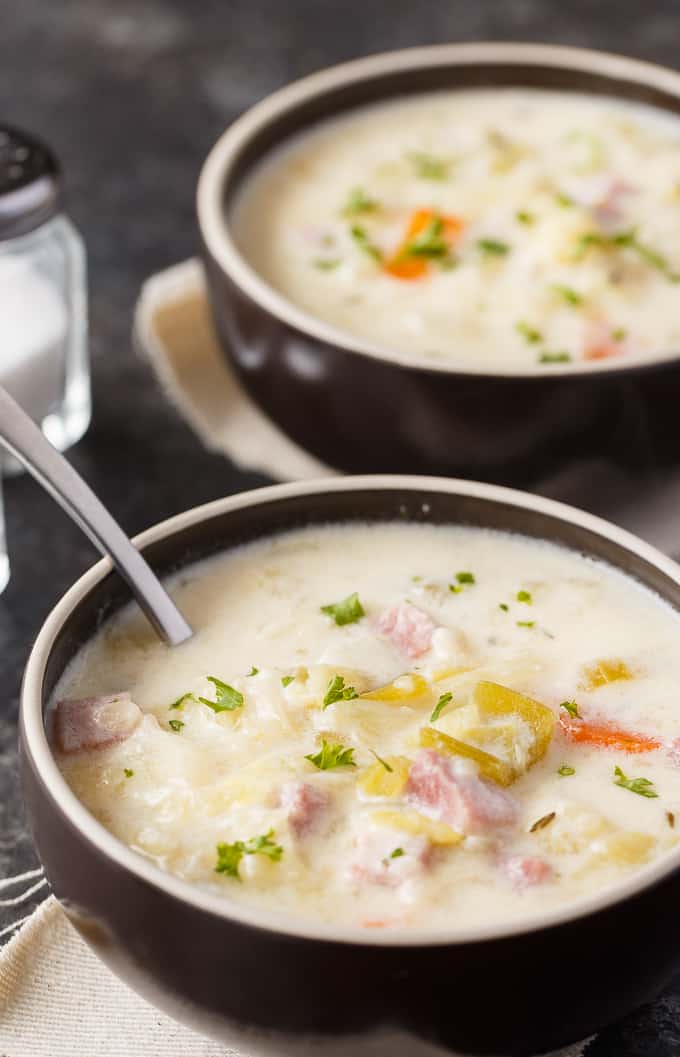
361, 410
273, 985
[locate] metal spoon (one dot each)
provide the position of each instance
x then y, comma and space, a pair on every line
20, 435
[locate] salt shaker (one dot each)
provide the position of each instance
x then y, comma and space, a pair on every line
43, 305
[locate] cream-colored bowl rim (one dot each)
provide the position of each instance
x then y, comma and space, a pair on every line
217, 236
37, 746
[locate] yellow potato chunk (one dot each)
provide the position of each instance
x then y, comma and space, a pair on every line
604, 671
494, 700
489, 766
574, 830
418, 825
629, 849
377, 781
408, 689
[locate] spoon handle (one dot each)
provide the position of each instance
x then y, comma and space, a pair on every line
26, 442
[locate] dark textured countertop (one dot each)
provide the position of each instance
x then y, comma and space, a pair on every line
132, 95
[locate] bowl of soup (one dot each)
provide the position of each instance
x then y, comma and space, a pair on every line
418, 764
455, 259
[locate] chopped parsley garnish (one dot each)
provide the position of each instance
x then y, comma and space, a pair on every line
253, 671
180, 701
440, 706
641, 786
572, 708
364, 243
286, 680
504, 606
465, 578
493, 247
175, 724
619, 334
528, 332
430, 166
226, 700
128, 772
330, 756
346, 612
524, 217
524, 596
380, 760
397, 853
568, 294
326, 264
541, 823
359, 202
565, 771
337, 691
526, 623
455, 589
555, 357
429, 242
564, 200
229, 855
628, 240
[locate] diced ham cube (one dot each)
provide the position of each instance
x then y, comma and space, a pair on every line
599, 342
467, 803
527, 870
375, 860
408, 628
307, 807
94, 722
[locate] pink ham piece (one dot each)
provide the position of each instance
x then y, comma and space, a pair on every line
408, 628
94, 722
374, 859
524, 871
467, 803
307, 807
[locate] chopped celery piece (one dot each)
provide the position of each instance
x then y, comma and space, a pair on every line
489, 766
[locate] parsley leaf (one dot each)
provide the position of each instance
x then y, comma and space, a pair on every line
397, 853
383, 762
528, 332
619, 334
346, 612
229, 855
493, 247
337, 691
286, 680
128, 772
555, 357
227, 699
627, 240
571, 296
440, 706
465, 578
524, 596
641, 786
180, 701
526, 623
503, 606
565, 771
564, 200
364, 243
429, 242
326, 264
572, 708
330, 756
253, 671
430, 166
524, 217
176, 725
359, 202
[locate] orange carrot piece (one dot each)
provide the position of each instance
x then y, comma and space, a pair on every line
606, 737
403, 266
602, 352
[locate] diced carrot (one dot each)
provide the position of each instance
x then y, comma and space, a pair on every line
603, 351
404, 266
606, 737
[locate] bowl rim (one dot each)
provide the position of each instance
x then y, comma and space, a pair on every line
217, 168
36, 746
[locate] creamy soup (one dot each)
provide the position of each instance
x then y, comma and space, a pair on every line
387, 726
505, 229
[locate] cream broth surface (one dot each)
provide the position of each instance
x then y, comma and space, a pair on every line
489, 229
331, 785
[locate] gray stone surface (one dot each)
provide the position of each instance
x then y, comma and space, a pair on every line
131, 96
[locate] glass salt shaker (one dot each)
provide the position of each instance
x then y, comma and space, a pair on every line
43, 305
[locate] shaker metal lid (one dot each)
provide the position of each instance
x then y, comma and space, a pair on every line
30, 182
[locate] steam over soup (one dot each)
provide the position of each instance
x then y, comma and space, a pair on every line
505, 229
387, 726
